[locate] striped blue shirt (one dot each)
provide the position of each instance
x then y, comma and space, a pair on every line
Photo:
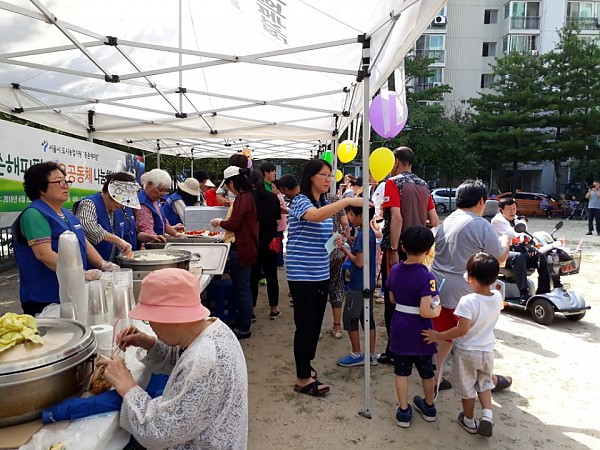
306, 258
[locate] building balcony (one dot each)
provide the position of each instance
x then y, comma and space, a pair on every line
421, 86
584, 23
439, 56
525, 23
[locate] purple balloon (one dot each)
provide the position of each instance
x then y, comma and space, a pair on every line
376, 114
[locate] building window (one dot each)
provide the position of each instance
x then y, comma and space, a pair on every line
489, 49
525, 15
422, 84
490, 16
431, 46
486, 80
582, 15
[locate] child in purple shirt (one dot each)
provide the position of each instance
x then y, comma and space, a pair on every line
412, 288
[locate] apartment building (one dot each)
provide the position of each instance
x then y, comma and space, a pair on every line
468, 35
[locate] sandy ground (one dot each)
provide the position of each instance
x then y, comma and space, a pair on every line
550, 405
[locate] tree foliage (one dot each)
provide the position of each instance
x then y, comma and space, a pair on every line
541, 108
507, 123
572, 95
431, 134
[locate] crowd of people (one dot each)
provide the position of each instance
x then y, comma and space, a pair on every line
423, 321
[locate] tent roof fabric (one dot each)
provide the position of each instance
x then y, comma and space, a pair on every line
281, 76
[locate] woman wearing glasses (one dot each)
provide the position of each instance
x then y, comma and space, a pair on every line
150, 222
307, 265
36, 232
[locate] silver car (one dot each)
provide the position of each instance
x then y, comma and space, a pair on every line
445, 199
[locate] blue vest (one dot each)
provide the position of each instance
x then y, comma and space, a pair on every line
37, 282
129, 230
168, 209
159, 222
106, 248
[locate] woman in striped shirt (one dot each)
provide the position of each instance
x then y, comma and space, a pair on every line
307, 265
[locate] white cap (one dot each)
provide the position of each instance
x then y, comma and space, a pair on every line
231, 171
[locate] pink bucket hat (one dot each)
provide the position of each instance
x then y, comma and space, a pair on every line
170, 296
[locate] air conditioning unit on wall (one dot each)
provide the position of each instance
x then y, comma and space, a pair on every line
439, 20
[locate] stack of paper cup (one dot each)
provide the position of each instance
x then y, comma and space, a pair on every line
103, 334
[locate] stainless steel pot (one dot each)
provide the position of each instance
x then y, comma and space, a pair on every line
179, 259
34, 377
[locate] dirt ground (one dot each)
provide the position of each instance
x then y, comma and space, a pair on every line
551, 404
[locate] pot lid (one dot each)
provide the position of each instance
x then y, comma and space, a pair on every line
63, 338
210, 256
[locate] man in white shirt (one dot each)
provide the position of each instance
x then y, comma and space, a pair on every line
503, 223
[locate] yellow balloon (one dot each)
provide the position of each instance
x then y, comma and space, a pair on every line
338, 175
347, 151
381, 163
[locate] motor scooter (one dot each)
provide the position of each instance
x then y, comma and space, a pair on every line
561, 262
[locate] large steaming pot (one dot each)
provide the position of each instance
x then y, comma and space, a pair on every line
34, 377
148, 260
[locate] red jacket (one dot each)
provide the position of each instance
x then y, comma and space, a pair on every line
243, 222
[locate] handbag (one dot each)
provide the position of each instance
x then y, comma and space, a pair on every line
275, 245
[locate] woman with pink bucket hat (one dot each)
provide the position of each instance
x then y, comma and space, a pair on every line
205, 402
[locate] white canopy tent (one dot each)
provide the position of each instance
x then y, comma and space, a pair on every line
199, 72
282, 76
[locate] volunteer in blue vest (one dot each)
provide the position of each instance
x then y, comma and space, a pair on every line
36, 232
106, 223
149, 220
187, 194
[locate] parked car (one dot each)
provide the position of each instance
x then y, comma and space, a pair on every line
444, 199
528, 203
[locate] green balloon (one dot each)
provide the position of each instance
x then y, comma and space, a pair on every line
326, 156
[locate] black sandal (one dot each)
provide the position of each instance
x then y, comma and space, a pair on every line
312, 389
503, 383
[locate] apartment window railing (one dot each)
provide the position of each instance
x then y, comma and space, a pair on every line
420, 87
525, 23
584, 23
438, 55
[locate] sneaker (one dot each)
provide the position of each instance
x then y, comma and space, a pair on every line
589, 233
427, 412
274, 315
380, 301
385, 359
350, 360
262, 281
486, 427
468, 429
253, 317
444, 386
403, 418
374, 361
338, 334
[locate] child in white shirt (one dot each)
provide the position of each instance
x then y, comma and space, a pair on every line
473, 357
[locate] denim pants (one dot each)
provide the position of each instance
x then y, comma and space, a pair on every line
240, 277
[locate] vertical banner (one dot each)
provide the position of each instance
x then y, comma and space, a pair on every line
85, 163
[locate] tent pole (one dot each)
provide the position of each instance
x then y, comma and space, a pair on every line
334, 149
366, 226
192, 165
157, 154
180, 57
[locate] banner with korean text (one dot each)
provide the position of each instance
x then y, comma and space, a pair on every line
85, 163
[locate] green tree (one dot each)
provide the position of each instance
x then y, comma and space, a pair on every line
572, 96
507, 122
429, 132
